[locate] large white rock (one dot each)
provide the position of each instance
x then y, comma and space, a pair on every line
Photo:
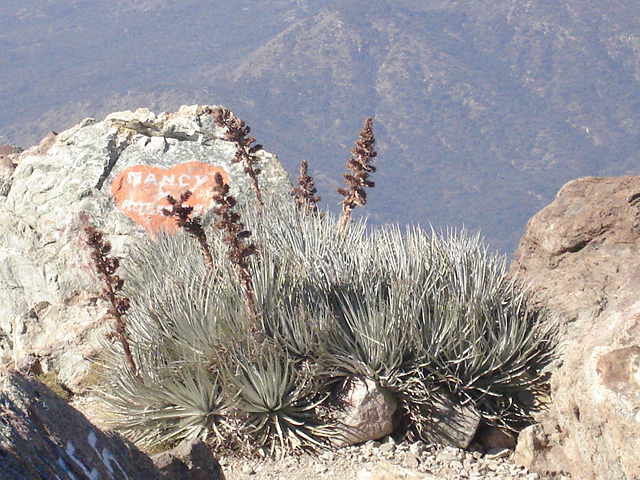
50, 306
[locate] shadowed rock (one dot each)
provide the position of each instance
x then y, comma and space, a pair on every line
41, 437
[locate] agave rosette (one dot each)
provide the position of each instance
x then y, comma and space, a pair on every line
277, 407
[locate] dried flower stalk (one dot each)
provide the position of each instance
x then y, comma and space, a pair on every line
235, 236
106, 267
305, 193
192, 226
361, 166
238, 131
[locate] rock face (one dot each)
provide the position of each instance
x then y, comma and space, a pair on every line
114, 174
43, 437
8, 154
580, 254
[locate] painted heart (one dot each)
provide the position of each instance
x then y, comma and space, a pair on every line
140, 192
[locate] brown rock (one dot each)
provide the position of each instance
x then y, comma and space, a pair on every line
8, 153
42, 148
368, 413
536, 451
580, 255
493, 438
7, 150
170, 467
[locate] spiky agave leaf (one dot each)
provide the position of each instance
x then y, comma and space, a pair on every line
183, 304
293, 312
371, 336
482, 340
165, 405
309, 243
278, 408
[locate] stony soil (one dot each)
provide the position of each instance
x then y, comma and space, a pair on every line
442, 463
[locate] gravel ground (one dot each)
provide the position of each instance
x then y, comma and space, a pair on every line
443, 463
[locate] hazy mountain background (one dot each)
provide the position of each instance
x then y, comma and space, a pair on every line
484, 108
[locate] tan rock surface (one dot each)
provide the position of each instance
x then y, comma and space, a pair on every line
581, 256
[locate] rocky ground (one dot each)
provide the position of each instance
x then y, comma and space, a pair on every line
385, 461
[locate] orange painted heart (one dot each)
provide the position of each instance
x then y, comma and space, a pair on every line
141, 191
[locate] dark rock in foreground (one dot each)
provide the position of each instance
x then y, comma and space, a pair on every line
42, 437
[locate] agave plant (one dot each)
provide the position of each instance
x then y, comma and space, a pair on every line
293, 313
481, 339
164, 405
181, 321
309, 243
274, 397
422, 314
370, 337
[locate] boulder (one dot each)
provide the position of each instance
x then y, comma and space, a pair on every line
580, 257
493, 438
538, 452
114, 174
578, 253
450, 422
368, 413
41, 436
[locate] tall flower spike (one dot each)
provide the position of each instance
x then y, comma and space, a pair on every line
305, 193
238, 131
234, 237
360, 165
193, 226
106, 267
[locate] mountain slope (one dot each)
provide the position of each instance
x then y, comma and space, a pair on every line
483, 109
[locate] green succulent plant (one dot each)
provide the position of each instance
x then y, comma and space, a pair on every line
272, 394
421, 313
165, 405
482, 340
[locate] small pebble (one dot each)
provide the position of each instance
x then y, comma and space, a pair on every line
388, 447
327, 456
417, 448
411, 460
498, 453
